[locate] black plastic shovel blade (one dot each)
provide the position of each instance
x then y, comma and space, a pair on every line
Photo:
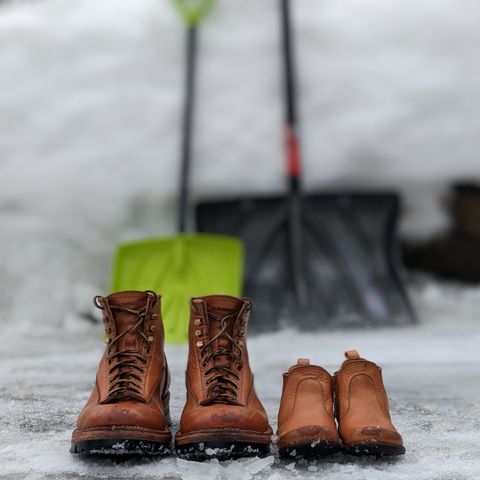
348, 261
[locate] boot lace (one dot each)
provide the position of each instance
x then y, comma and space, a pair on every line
124, 374
222, 384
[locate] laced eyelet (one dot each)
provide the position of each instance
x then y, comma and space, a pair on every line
220, 380
129, 360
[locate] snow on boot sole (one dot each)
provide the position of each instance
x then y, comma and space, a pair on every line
310, 449
376, 449
111, 447
222, 444
121, 441
221, 450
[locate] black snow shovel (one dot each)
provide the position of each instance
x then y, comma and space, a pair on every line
316, 260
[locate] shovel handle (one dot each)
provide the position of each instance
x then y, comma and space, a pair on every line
192, 12
292, 147
187, 126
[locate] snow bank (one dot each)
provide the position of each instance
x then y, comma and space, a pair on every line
89, 101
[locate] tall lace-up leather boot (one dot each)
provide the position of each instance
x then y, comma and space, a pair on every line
362, 409
128, 410
306, 422
223, 416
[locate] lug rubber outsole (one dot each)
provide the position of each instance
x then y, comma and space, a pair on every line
118, 441
312, 449
221, 450
222, 444
115, 447
376, 449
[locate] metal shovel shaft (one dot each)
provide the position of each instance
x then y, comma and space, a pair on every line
187, 125
293, 160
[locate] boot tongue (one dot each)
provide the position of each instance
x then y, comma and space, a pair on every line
124, 320
218, 307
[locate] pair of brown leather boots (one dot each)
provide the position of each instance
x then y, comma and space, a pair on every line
128, 410
355, 395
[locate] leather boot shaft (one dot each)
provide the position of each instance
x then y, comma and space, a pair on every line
218, 368
134, 357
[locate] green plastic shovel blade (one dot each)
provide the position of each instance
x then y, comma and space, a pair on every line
178, 268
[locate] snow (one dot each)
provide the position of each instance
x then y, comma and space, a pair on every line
89, 114
431, 373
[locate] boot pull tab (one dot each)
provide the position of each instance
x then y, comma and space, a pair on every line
303, 361
352, 354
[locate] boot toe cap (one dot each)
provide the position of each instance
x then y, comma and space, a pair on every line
123, 414
232, 417
373, 434
306, 434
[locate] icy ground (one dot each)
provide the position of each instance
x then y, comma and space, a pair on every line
432, 373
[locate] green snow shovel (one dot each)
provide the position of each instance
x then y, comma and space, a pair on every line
184, 265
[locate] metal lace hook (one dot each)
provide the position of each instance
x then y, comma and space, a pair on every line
96, 302
152, 295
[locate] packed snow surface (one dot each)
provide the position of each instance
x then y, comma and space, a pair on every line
431, 372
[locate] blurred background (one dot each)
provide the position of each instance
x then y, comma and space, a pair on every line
90, 102
90, 111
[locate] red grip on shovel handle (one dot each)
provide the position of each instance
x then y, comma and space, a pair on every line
293, 153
